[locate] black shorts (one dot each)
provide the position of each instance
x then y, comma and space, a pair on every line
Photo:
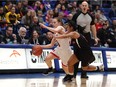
84, 52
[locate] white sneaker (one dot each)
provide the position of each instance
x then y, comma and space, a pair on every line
101, 67
74, 80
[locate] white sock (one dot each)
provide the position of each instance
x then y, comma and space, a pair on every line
71, 73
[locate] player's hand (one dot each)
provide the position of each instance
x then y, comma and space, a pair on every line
96, 41
42, 25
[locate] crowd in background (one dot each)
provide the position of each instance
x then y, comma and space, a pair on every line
19, 20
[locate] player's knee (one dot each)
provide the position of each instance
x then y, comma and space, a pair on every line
46, 59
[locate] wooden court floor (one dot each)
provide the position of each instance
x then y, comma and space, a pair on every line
96, 79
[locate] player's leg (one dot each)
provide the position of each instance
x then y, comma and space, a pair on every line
83, 73
49, 64
93, 68
76, 69
73, 59
68, 76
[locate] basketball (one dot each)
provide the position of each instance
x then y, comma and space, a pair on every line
37, 50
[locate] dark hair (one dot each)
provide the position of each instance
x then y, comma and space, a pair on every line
72, 24
9, 26
59, 20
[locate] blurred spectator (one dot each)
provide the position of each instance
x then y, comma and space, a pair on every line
40, 16
112, 33
7, 7
69, 17
61, 16
48, 20
26, 19
11, 17
18, 10
47, 5
63, 2
1, 38
103, 35
97, 8
2, 20
98, 23
47, 23
113, 5
33, 14
58, 6
46, 39
64, 10
25, 7
34, 39
8, 36
39, 6
35, 25
2, 15
21, 37
73, 7
56, 12
15, 38
102, 16
49, 14
112, 12
106, 3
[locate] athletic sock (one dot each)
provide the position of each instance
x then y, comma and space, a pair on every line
97, 68
71, 73
51, 68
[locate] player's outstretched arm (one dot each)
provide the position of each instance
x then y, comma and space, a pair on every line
71, 35
49, 45
54, 30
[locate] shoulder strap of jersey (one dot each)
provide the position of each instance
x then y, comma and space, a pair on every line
76, 16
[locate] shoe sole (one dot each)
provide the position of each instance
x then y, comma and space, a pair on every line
102, 68
47, 74
70, 80
73, 80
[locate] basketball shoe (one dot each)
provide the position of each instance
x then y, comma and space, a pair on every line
101, 67
48, 71
68, 78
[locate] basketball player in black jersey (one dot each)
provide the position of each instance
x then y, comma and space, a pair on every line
86, 26
81, 49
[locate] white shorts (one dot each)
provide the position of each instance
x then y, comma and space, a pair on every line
63, 54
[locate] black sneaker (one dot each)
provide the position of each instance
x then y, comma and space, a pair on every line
49, 71
68, 78
84, 76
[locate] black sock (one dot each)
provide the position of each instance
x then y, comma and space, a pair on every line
97, 68
51, 68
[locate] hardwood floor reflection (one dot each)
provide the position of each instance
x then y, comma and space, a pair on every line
96, 79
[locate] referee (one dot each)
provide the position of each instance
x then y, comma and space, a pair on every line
86, 27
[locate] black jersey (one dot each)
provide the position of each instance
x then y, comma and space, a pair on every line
82, 50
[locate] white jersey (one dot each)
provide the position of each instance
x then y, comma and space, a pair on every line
63, 50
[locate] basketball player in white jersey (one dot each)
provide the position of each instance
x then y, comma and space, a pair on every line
81, 49
63, 51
